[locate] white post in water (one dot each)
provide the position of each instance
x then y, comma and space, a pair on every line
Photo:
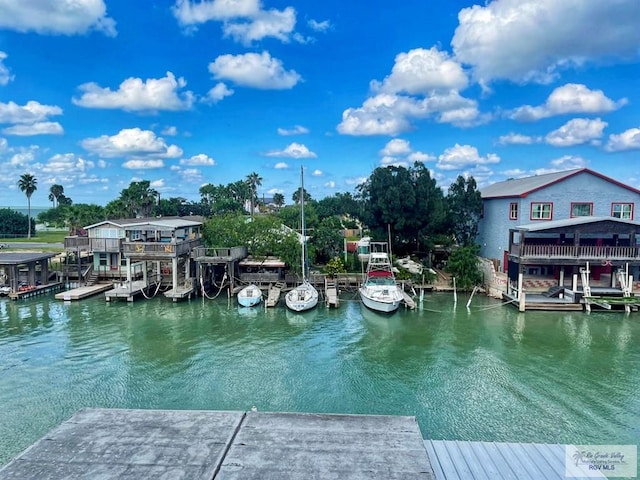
521, 295
455, 294
472, 292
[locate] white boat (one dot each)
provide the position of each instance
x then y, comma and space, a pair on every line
379, 290
249, 296
304, 296
5, 290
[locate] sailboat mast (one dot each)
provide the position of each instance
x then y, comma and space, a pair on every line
302, 226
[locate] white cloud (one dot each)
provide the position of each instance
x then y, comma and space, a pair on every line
281, 166
219, 92
266, 23
200, 159
243, 20
56, 16
5, 74
356, 180
577, 132
459, 157
420, 157
67, 165
319, 26
393, 161
255, 70
38, 128
395, 147
421, 72
143, 164
157, 184
293, 150
131, 142
189, 13
330, 184
170, 131
317, 173
568, 162
570, 98
296, 130
530, 40
516, 139
627, 140
135, 95
31, 112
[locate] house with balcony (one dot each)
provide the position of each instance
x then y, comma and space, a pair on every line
549, 227
157, 250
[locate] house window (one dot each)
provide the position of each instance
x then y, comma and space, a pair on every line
581, 209
103, 259
622, 210
513, 211
541, 211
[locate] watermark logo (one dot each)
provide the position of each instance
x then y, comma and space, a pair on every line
601, 461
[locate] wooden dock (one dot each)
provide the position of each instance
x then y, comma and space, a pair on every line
127, 290
181, 291
35, 291
408, 301
331, 293
152, 444
273, 296
83, 292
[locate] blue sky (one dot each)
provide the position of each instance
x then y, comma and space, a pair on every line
95, 94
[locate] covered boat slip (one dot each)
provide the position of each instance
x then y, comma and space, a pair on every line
151, 444
27, 274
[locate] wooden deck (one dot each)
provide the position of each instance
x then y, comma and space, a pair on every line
127, 291
83, 292
273, 297
39, 290
454, 460
152, 444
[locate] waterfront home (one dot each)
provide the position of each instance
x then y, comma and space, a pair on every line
543, 199
121, 248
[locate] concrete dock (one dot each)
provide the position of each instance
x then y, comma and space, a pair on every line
83, 292
154, 444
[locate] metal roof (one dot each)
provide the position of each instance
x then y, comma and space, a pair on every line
17, 258
571, 222
458, 460
170, 223
521, 187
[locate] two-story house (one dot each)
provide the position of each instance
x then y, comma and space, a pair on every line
553, 224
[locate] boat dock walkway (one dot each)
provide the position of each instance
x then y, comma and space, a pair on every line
127, 290
83, 292
408, 301
181, 291
273, 297
331, 293
225, 445
35, 291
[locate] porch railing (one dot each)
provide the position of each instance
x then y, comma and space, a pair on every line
576, 251
159, 249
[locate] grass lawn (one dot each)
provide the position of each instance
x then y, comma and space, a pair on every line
41, 237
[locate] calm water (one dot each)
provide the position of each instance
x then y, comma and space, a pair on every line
487, 374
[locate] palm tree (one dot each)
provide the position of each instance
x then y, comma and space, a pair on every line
254, 180
28, 184
55, 192
278, 199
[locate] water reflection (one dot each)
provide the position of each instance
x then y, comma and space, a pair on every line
483, 373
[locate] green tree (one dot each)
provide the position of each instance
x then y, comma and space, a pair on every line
28, 184
463, 265
55, 191
278, 199
12, 222
465, 207
296, 196
254, 181
335, 266
327, 240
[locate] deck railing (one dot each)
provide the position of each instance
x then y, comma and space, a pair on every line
576, 251
222, 253
159, 249
77, 243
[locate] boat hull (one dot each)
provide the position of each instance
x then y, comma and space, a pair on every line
380, 304
303, 297
249, 296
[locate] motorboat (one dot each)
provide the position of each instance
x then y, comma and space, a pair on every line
379, 290
250, 296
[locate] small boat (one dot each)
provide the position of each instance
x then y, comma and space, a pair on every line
250, 296
379, 290
304, 296
5, 290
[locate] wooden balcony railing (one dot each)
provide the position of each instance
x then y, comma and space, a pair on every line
159, 249
586, 252
88, 244
77, 243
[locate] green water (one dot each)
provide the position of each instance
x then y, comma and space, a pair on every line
490, 373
